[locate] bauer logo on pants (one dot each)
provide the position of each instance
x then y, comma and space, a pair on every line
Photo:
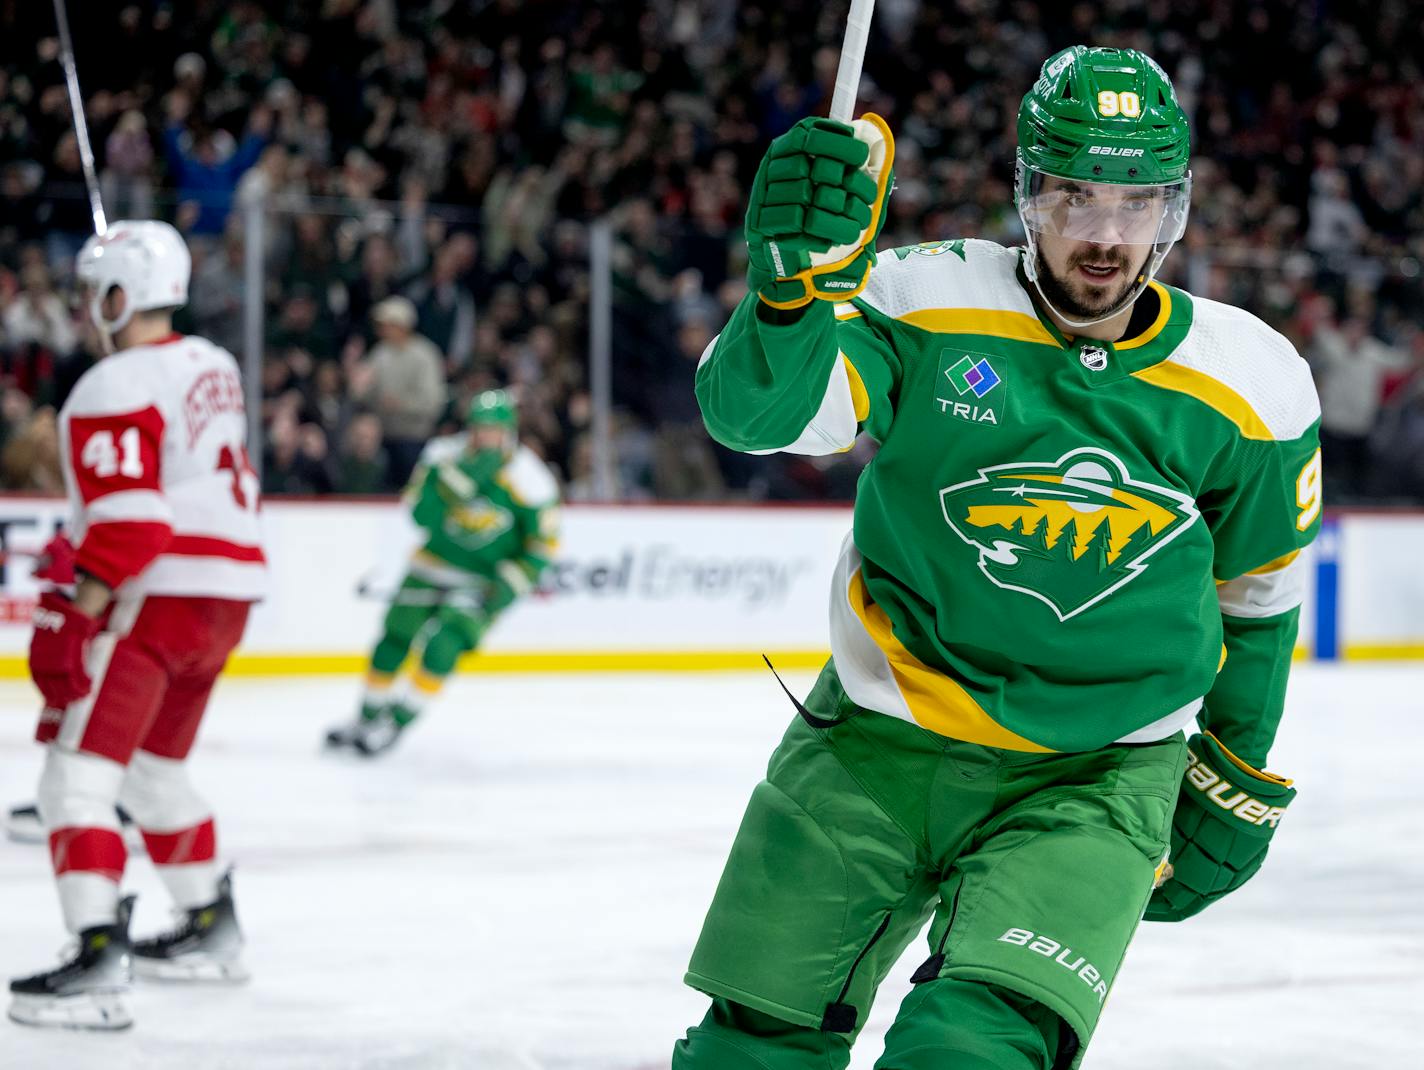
1068, 532
1089, 974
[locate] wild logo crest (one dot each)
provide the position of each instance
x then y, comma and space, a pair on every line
1068, 532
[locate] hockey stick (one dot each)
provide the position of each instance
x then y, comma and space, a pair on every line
852, 59
81, 128
429, 597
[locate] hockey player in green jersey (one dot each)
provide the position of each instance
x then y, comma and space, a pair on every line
489, 510
1080, 534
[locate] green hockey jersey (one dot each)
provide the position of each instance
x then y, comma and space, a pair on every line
1061, 543
487, 517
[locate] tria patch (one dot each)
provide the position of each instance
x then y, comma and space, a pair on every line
969, 388
1068, 532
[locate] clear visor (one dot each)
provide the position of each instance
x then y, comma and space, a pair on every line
1104, 213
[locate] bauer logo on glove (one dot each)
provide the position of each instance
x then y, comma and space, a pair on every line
816, 208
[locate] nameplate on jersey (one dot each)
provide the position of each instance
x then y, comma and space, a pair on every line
969, 388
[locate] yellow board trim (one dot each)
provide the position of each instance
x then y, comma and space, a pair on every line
997, 323
1164, 312
935, 701
13, 667
1212, 392
859, 397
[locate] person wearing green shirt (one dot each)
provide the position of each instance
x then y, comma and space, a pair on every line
1081, 534
489, 510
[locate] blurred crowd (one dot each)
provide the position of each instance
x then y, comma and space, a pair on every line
428, 174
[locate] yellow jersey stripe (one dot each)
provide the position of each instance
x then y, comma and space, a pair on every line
854, 313
426, 683
1276, 565
998, 323
934, 700
1164, 312
1211, 392
859, 397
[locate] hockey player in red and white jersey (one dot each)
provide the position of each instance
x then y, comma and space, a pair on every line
169, 561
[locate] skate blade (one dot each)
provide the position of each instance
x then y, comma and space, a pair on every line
101, 1011
25, 831
192, 969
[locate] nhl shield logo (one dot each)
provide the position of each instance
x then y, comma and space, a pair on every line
1094, 358
1068, 532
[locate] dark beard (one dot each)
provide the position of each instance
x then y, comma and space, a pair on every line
1059, 297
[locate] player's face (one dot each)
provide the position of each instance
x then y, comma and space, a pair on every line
1094, 242
489, 437
1087, 279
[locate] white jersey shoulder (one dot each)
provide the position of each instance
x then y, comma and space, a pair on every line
1258, 364
442, 449
967, 273
528, 478
159, 376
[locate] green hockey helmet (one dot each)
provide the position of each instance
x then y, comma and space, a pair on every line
1103, 152
1104, 115
492, 407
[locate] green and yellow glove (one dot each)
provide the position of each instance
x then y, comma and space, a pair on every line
1226, 815
816, 208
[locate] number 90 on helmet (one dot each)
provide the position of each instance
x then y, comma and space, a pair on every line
1103, 151
145, 258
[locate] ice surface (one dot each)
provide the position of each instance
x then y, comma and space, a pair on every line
518, 885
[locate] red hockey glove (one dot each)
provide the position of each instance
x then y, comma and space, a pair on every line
55, 563
57, 650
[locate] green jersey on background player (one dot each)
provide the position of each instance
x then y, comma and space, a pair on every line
1081, 533
488, 508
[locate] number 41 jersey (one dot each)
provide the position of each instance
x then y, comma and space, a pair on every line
163, 495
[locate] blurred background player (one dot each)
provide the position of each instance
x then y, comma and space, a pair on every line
489, 510
168, 561
1081, 533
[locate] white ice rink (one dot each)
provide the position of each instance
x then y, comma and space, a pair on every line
519, 884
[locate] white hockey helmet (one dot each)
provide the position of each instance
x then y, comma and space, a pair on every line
145, 258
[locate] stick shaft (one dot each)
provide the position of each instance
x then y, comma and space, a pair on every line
852, 59
81, 128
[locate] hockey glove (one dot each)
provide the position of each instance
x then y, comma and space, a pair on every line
1226, 815
55, 563
57, 648
816, 208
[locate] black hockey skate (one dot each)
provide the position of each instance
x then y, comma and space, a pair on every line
367, 736
23, 825
206, 946
89, 990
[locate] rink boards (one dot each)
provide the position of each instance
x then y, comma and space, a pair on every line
666, 588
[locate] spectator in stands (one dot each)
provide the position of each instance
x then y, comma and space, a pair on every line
1351, 368
205, 164
30, 459
127, 180
445, 308
406, 388
364, 465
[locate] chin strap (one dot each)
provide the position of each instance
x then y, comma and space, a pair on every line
1154, 262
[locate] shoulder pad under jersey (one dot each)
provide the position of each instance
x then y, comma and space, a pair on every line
1257, 364
966, 273
529, 480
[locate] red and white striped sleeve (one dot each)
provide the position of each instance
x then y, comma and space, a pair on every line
114, 450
